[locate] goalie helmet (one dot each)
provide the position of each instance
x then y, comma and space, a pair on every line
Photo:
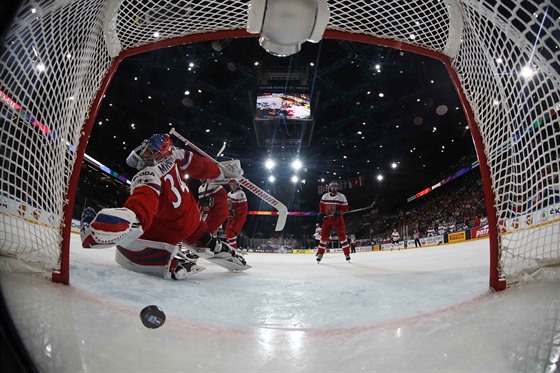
156, 149
151, 152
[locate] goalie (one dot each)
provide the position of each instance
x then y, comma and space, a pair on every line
161, 213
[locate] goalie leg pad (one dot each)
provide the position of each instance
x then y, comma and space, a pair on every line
156, 259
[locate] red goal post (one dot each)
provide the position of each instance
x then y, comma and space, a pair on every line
59, 56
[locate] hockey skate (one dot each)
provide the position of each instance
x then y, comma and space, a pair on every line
185, 268
187, 254
319, 258
347, 257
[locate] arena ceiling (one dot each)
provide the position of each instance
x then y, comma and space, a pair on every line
371, 107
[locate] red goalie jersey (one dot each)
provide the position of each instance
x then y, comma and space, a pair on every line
163, 202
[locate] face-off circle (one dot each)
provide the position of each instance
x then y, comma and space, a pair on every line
152, 317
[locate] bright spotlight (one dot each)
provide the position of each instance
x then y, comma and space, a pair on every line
527, 72
271, 178
379, 177
294, 179
393, 165
296, 164
269, 164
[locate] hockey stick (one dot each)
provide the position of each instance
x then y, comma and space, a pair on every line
221, 150
279, 206
363, 208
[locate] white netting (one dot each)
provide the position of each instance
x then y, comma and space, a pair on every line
57, 52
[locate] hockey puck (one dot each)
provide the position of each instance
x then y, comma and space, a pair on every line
152, 317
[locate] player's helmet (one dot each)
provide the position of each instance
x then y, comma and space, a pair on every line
156, 149
233, 182
333, 183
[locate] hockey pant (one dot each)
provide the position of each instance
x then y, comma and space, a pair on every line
233, 228
214, 219
340, 229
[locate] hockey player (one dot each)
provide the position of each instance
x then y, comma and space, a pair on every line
159, 214
332, 205
317, 237
239, 209
213, 203
395, 238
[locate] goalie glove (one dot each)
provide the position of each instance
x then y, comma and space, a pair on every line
228, 170
110, 227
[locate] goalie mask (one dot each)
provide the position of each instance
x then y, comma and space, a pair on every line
151, 152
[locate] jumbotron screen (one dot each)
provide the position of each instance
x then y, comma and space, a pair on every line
276, 106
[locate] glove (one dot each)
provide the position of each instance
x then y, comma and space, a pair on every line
206, 202
320, 217
337, 214
231, 169
111, 226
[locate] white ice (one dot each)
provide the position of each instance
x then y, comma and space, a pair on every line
416, 310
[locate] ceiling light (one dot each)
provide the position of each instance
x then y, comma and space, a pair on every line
393, 165
294, 179
271, 178
381, 95
296, 164
187, 93
41, 67
499, 60
379, 177
269, 164
156, 34
527, 72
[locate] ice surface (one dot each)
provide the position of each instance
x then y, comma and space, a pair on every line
416, 310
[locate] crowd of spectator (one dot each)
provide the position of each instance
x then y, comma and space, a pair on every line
450, 208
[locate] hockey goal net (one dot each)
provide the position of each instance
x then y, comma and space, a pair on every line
58, 57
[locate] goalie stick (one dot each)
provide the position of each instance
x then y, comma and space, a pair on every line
279, 206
